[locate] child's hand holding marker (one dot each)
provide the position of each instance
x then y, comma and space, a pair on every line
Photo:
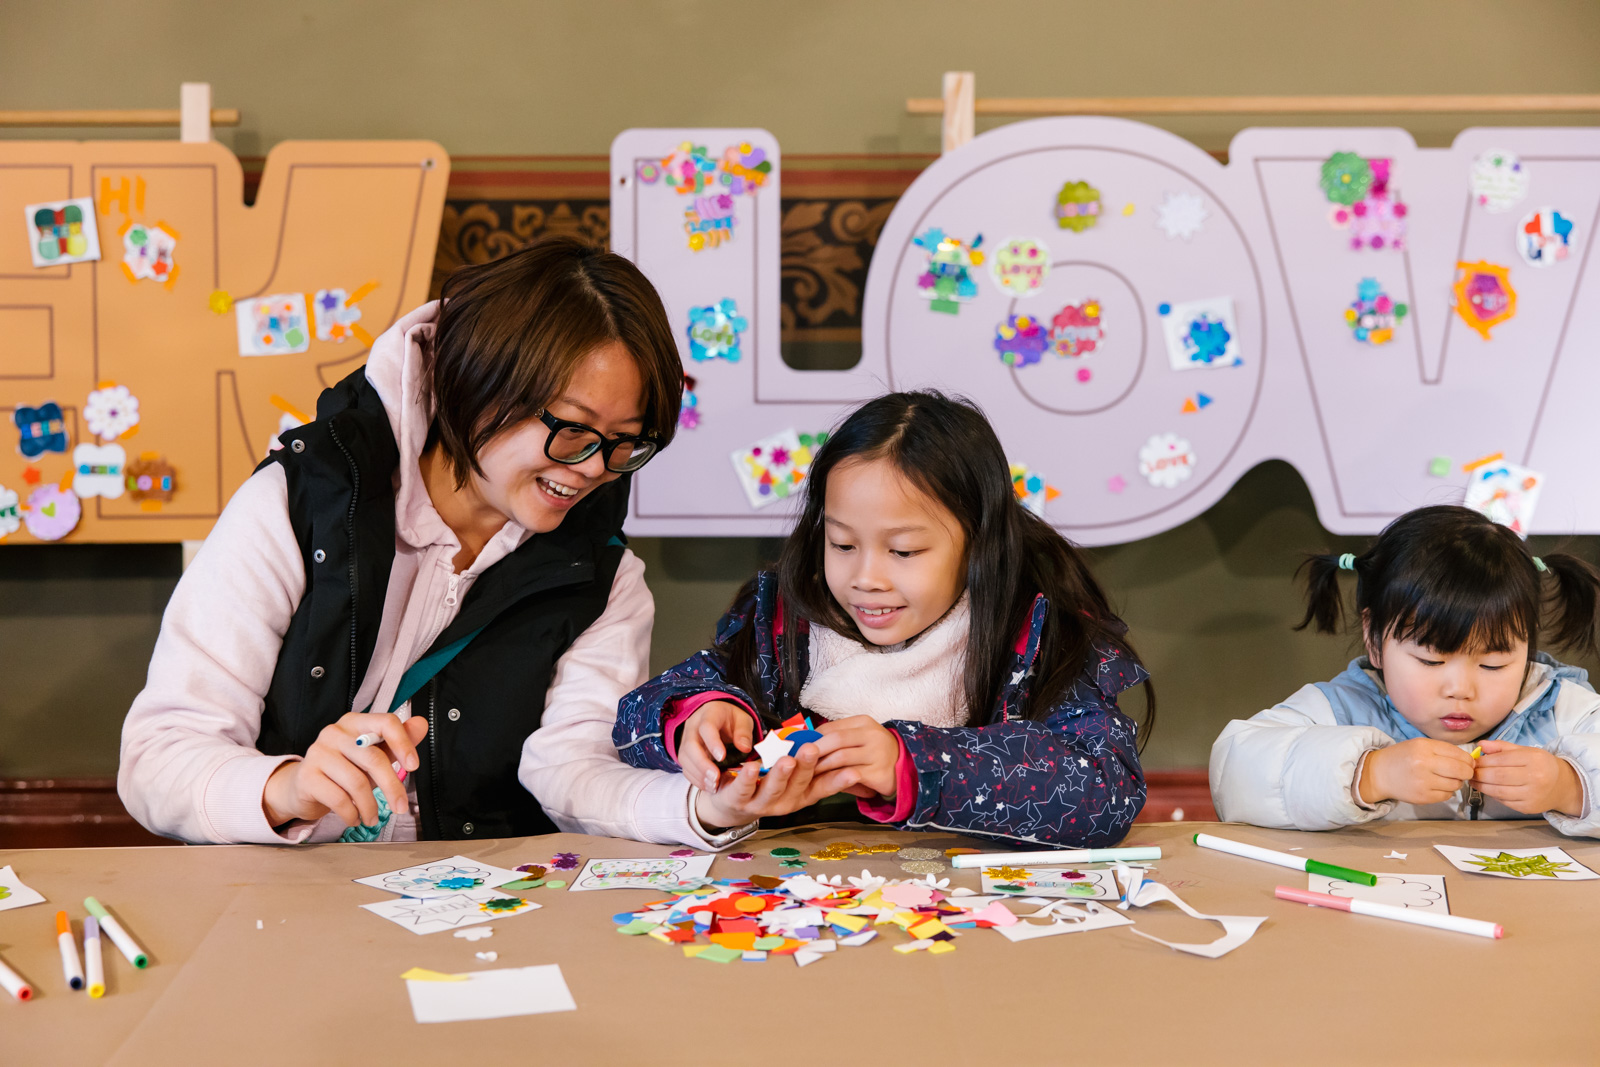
1527, 779
338, 774
1419, 771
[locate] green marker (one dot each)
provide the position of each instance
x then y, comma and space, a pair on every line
1283, 859
119, 937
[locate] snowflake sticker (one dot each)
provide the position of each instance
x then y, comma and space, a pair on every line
111, 411
1181, 215
1166, 460
714, 331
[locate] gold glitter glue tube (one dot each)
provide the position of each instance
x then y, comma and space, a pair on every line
1057, 857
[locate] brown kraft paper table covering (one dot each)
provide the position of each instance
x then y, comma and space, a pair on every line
319, 983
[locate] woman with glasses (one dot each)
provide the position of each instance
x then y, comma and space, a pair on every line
417, 617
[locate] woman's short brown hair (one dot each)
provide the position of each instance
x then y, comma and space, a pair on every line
512, 332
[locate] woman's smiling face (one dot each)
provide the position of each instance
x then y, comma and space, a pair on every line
522, 483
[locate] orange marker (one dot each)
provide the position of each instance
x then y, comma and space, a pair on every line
69, 951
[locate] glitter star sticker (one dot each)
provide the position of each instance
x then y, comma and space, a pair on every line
1008, 874
1519, 866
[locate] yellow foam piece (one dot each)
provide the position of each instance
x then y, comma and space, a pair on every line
941, 947
692, 951
422, 974
854, 923
927, 929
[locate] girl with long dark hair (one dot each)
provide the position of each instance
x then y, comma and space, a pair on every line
957, 657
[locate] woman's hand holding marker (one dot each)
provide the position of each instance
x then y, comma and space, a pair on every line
1419, 771
1528, 779
338, 775
715, 731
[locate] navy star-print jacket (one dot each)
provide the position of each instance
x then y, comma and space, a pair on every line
1072, 779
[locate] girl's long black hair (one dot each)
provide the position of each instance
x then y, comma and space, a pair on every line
947, 449
1449, 578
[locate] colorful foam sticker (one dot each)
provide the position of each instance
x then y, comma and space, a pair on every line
1200, 333
773, 467
714, 331
62, 231
1523, 864
1181, 215
148, 252
1506, 493
432, 915
1020, 340
1484, 296
111, 411
1345, 178
335, 316
1376, 219
1077, 206
1166, 460
947, 282
273, 325
708, 221
41, 429
99, 470
689, 411
1031, 489
744, 168
1076, 329
1020, 266
51, 512
1544, 237
10, 512
1193, 404
1498, 181
1373, 315
689, 170
442, 878
151, 480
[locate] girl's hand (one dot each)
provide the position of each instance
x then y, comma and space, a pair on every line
745, 796
715, 728
337, 776
1528, 779
863, 751
1419, 771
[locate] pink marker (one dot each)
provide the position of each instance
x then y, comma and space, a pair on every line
1476, 927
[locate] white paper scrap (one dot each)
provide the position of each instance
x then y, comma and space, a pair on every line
1236, 929
13, 894
494, 994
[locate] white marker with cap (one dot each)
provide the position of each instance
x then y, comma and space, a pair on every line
119, 937
1059, 857
14, 983
92, 960
69, 951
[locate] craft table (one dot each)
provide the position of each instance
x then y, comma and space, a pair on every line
319, 982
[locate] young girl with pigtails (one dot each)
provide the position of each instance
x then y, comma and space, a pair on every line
955, 654
1455, 712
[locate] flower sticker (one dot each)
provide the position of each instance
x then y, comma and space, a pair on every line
43, 429
1020, 340
689, 170
1378, 218
744, 169
111, 411
1484, 296
1345, 178
1373, 315
1166, 460
1020, 266
10, 512
714, 331
1077, 206
52, 512
1076, 330
503, 905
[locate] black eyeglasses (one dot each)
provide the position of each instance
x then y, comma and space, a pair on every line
573, 442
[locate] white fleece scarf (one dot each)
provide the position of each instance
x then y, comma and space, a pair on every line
918, 680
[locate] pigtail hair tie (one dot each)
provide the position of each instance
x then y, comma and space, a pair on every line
1347, 562
1539, 565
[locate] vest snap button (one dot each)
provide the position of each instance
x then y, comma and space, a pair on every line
297, 446
319, 555
317, 672
453, 714
466, 828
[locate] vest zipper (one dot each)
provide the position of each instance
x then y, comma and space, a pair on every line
350, 528
433, 764
450, 599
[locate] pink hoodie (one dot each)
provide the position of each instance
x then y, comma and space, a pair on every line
189, 766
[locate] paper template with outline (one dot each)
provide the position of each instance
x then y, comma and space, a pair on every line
656, 873
1415, 892
442, 878
1063, 918
1523, 864
431, 915
1035, 881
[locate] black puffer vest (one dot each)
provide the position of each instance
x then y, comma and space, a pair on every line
483, 705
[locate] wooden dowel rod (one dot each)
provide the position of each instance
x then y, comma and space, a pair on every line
1263, 105
220, 116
